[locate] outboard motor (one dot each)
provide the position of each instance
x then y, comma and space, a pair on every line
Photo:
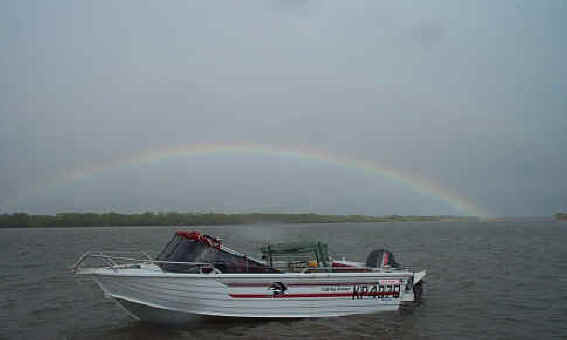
418, 290
378, 258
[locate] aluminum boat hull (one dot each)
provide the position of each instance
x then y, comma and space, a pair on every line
148, 293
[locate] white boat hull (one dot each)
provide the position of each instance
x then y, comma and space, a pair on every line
147, 290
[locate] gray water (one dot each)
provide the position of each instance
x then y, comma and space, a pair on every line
485, 280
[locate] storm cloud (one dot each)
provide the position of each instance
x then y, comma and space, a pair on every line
468, 96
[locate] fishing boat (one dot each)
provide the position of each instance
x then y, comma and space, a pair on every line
196, 274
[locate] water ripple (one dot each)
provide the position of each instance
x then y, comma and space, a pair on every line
485, 280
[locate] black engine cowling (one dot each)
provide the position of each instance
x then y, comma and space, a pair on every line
418, 290
378, 258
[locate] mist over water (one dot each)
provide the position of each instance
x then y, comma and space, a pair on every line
484, 280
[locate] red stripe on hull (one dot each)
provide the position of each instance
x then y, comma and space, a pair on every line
268, 284
321, 295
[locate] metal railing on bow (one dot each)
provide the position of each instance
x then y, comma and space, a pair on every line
133, 259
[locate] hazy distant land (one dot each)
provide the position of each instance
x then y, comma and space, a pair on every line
22, 220
561, 216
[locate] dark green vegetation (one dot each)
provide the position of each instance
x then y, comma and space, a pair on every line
188, 219
561, 216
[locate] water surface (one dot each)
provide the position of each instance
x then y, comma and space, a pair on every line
485, 280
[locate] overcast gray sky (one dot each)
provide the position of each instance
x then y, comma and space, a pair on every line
468, 95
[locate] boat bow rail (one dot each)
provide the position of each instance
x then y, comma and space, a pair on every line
133, 259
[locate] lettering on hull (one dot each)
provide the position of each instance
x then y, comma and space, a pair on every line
376, 291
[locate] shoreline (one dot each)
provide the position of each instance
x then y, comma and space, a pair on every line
150, 219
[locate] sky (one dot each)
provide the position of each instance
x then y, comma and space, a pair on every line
346, 107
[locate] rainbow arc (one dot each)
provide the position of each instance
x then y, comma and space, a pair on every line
411, 181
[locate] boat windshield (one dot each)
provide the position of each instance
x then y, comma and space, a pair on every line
196, 247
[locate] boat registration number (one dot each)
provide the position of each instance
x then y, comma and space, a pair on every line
376, 291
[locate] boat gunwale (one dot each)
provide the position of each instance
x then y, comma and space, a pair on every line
139, 268
135, 272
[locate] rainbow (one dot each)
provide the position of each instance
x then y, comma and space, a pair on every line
413, 182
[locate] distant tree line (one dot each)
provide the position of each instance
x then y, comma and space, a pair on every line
187, 219
561, 216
